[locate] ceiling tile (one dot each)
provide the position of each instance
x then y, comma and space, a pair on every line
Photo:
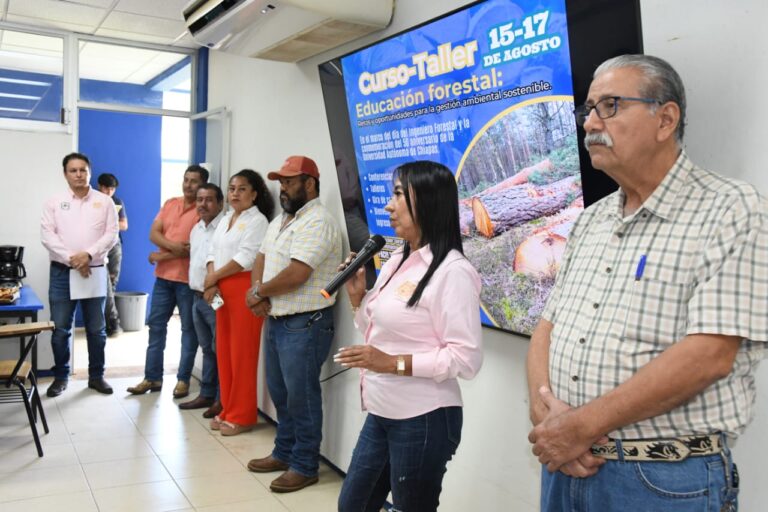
40, 22
169, 9
104, 4
57, 12
30, 52
121, 63
35, 42
133, 36
127, 22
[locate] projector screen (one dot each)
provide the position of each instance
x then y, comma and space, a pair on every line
487, 90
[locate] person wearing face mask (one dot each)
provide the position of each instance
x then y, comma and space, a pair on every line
238, 333
421, 322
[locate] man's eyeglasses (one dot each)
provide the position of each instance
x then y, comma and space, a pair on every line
606, 107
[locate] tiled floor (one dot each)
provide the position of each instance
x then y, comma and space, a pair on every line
122, 453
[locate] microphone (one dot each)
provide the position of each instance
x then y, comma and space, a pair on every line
371, 247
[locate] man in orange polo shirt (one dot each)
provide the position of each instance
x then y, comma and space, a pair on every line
170, 232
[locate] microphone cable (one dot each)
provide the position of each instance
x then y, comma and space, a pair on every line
334, 375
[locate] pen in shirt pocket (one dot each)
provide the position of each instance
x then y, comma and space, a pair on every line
640, 268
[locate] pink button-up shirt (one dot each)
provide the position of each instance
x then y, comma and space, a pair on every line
442, 332
71, 224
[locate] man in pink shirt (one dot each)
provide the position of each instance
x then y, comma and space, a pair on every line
170, 232
78, 228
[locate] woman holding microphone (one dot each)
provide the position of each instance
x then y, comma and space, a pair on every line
421, 325
238, 332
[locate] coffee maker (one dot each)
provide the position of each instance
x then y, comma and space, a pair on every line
12, 270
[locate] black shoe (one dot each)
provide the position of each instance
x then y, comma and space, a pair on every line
114, 333
56, 388
99, 385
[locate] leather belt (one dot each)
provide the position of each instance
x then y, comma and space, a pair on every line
659, 450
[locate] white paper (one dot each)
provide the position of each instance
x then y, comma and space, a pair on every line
89, 287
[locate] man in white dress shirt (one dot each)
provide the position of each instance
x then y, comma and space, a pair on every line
210, 202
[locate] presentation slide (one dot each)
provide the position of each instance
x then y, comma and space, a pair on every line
486, 91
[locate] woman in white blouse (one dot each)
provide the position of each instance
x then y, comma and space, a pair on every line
238, 332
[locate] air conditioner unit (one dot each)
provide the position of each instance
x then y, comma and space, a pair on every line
284, 30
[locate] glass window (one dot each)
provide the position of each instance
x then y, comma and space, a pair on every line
31, 76
137, 77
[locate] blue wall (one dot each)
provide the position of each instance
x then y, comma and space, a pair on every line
128, 146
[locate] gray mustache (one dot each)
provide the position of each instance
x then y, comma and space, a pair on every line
598, 138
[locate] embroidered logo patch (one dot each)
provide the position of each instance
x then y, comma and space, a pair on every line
405, 290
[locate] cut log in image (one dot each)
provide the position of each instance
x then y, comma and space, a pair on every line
521, 191
497, 212
541, 253
519, 178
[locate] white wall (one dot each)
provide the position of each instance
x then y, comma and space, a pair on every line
278, 110
31, 173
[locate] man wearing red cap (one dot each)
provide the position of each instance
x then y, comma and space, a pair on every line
298, 256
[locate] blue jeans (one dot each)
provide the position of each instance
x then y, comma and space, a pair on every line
204, 318
63, 315
297, 347
408, 457
115, 257
166, 295
696, 484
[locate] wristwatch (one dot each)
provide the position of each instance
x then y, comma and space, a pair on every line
255, 290
401, 365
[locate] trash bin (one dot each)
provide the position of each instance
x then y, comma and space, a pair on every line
132, 309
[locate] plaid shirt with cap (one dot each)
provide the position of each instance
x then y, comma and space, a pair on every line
703, 242
311, 237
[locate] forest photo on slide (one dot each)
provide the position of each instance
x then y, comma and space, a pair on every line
519, 194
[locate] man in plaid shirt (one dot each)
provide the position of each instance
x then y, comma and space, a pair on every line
299, 255
642, 367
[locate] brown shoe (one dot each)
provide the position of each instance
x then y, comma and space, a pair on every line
197, 403
146, 385
233, 429
266, 465
213, 410
291, 481
215, 423
181, 390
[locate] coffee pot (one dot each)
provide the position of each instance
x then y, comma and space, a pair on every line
11, 267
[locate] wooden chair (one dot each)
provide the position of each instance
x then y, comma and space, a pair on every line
17, 380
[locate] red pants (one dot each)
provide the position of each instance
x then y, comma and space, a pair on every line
238, 336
